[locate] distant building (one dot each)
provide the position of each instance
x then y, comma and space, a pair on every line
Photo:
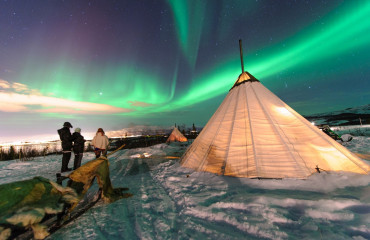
193, 132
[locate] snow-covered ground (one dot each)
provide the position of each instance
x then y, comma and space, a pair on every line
171, 202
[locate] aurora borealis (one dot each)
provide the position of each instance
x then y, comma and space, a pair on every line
113, 63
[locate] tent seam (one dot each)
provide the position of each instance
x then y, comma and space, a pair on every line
188, 151
230, 137
282, 132
331, 143
250, 125
273, 124
214, 137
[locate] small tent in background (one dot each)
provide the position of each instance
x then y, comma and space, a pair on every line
176, 136
255, 134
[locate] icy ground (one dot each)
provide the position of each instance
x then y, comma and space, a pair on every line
171, 202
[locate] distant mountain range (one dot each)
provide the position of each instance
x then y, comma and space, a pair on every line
349, 116
138, 130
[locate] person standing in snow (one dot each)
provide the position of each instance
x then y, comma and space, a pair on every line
100, 142
78, 147
66, 137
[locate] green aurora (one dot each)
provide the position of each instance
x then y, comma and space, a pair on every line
124, 83
302, 68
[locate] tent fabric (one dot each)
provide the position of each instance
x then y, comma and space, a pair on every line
176, 136
254, 134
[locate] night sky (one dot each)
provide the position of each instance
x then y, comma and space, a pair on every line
114, 64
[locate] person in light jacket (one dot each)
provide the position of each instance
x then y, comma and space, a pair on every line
100, 143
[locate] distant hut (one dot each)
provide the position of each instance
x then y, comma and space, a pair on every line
176, 136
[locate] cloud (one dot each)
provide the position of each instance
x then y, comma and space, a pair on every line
140, 104
6, 107
4, 84
17, 97
20, 87
17, 87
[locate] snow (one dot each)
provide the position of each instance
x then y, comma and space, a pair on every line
359, 145
171, 202
355, 130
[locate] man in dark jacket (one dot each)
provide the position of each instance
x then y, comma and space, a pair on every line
66, 137
78, 147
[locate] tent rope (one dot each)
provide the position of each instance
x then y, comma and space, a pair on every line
318, 169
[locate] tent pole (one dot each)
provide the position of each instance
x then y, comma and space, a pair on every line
241, 54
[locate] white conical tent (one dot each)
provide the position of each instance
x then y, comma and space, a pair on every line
254, 134
176, 136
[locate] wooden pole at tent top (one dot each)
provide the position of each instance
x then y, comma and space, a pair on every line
241, 54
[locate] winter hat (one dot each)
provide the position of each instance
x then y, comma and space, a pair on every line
78, 130
67, 124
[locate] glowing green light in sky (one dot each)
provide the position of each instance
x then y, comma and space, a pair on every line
340, 34
320, 44
189, 17
124, 86
143, 90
